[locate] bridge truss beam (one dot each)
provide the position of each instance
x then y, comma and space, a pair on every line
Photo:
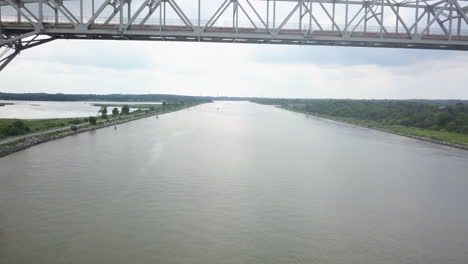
13, 48
417, 24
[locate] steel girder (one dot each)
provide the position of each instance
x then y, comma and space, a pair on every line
420, 24
13, 48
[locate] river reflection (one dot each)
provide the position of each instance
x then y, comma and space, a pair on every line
47, 109
243, 184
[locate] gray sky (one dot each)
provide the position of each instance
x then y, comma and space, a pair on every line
104, 67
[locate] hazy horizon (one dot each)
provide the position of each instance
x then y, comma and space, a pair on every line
230, 97
248, 70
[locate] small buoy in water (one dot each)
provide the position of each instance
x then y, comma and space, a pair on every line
115, 128
157, 117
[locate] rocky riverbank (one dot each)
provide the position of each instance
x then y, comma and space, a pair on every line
27, 142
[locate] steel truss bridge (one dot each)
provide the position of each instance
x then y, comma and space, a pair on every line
418, 24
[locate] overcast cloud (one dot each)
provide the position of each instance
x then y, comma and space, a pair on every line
104, 67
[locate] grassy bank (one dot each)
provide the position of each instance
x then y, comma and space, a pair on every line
10, 127
446, 136
436, 135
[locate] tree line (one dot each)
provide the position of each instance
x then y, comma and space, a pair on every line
97, 97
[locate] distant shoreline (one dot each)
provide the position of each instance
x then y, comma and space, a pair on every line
439, 142
60, 97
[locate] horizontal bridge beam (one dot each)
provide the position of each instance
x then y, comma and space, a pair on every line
291, 37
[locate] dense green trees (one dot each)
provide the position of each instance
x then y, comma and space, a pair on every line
427, 115
115, 111
125, 110
92, 120
17, 128
103, 112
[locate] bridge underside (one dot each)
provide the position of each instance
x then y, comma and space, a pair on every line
412, 24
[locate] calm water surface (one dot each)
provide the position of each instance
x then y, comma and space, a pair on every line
47, 109
243, 184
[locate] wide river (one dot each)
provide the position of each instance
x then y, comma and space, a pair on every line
243, 184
